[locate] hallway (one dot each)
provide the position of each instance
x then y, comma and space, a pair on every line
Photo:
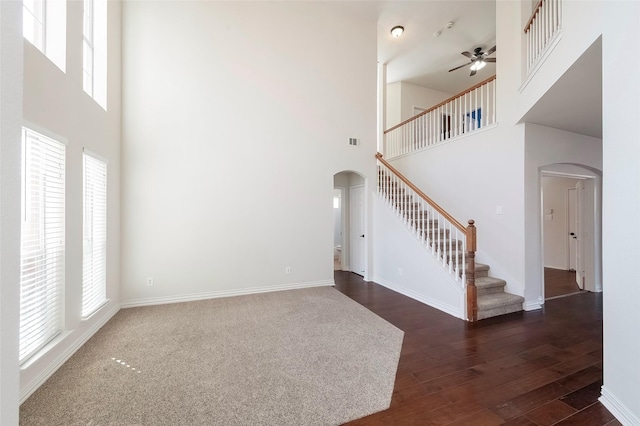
559, 283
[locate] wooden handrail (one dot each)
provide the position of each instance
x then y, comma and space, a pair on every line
533, 16
446, 101
470, 237
422, 194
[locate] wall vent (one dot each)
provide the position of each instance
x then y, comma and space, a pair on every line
354, 142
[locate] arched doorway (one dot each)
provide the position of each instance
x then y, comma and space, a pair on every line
571, 229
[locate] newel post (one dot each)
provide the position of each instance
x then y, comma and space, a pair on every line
472, 294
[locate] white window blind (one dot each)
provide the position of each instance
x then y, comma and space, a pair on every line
42, 242
94, 274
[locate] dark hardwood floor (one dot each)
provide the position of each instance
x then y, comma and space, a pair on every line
526, 369
558, 282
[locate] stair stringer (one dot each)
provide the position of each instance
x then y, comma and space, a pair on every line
423, 277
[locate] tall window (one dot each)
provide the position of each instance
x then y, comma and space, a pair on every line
94, 50
44, 24
94, 275
42, 241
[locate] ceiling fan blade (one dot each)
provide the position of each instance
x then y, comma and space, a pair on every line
468, 54
490, 51
490, 59
473, 72
457, 68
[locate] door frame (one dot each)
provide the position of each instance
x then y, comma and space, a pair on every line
363, 255
576, 171
569, 221
343, 180
343, 215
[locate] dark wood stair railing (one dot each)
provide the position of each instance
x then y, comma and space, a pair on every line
470, 241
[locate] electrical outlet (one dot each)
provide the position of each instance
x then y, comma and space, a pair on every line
149, 281
287, 270
399, 272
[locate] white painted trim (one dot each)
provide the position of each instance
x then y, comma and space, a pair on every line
64, 356
622, 413
44, 132
550, 47
532, 305
94, 155
221, 293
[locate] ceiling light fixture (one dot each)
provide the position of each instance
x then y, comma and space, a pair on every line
397, 31
478, 65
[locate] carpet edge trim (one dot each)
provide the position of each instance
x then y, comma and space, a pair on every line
221, 293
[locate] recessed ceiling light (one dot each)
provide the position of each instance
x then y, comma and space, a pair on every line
397, 31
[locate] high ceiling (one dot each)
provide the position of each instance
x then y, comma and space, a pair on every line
420, 57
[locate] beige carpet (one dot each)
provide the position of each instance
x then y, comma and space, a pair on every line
298, 357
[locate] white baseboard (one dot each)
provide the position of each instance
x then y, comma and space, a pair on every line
532, 305
451, 310
618, 409
64, 356
221, 293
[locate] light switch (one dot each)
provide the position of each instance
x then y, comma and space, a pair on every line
498, 209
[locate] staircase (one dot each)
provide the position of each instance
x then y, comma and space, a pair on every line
492, 299
443, 238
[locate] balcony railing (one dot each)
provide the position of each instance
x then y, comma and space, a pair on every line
541, 30
463, 113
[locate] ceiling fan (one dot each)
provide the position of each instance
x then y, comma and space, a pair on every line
478, 59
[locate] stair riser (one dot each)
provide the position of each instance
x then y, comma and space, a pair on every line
490, 290
502, 310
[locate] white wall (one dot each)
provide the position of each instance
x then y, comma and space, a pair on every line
236, 118
393, 105
55, 103
555, 225
11, 51
402, 97
418, 96
404, 265
621, 209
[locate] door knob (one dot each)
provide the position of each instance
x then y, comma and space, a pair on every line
362, 236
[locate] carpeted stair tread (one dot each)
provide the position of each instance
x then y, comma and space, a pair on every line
480, 268
489, 282
500, 310
496, 300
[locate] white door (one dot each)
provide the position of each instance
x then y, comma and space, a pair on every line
356, 228
571, 232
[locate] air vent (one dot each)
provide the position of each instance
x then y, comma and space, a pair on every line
354, 142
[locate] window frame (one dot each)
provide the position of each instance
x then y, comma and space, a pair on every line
94, 232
